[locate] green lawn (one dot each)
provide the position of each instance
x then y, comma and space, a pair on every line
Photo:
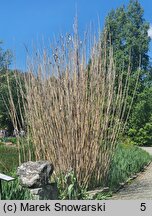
8, 158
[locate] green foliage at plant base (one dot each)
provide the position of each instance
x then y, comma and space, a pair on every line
128, 160
68, 187
13, 191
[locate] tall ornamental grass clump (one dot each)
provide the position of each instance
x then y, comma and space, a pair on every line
73, 109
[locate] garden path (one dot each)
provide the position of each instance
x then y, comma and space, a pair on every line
140, 188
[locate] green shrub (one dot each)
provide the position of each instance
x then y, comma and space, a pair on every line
143, 136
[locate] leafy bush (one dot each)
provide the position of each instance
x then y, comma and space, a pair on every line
143, 136
140, 122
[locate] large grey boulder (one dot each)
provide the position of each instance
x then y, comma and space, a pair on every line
35, 174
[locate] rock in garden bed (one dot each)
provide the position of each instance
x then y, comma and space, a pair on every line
35, 174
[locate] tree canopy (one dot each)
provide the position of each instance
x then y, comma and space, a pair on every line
127, 32
5, 58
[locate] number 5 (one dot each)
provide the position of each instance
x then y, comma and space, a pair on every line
143, 207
